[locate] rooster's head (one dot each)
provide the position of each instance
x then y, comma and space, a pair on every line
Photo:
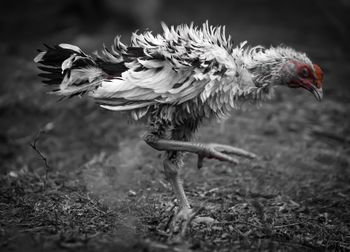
308, 76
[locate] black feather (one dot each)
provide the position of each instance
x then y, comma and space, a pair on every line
48, 75
140, 68
50, 69
113, 69
53, 81
51, 63
177, 85
83, 62
135, 52
47, 46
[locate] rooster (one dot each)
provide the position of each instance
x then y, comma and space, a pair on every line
176, 80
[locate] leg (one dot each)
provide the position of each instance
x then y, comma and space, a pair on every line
175, 143
172, 164
217, 151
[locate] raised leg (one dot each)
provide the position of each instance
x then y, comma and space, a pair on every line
211, 150
173, 162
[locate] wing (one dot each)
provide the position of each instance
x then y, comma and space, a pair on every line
183, 63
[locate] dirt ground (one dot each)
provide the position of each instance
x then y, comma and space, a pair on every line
103, 189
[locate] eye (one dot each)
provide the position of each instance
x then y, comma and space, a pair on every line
304, 72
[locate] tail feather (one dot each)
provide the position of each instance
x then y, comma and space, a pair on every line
70, 72
68, 69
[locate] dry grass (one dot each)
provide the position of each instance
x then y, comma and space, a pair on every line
118, 199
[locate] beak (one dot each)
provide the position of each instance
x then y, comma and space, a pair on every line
317, 92
314, 88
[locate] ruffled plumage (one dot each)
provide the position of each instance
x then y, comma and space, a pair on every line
196, 70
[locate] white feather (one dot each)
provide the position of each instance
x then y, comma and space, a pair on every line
70, 47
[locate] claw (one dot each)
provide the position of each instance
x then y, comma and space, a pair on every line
183, 220
234, 150
217, 151
220, 151
223, 157
212, 153
180, 222
200, 161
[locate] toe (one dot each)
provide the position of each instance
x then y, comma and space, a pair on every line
223, 157
234, 150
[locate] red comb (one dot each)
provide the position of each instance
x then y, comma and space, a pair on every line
319, 75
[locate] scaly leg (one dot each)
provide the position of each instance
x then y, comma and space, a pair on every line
172, 164
211, 150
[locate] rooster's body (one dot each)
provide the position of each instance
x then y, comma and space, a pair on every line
175, 81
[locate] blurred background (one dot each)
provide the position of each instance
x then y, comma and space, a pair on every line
305, 144
322, 26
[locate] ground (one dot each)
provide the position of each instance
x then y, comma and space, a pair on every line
103, 189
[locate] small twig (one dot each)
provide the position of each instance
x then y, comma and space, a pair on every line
256, 226
239, 222
33, 229
288, 225
34, 145
240, 232
93, 204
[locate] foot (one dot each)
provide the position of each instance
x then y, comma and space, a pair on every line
183, 219
211, 150
222, 152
